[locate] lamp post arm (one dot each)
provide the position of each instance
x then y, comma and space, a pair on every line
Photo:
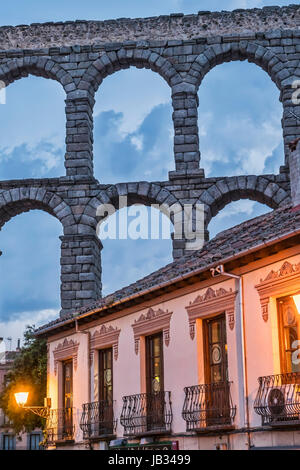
40, 411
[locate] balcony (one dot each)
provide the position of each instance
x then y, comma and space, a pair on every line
97, 420
278, 399
60, 428
208, 407
147, 414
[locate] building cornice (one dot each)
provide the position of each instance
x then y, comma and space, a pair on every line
152, 322
277, 283
105, 337
212, 302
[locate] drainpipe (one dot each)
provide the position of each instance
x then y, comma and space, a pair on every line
88, 362
242, 366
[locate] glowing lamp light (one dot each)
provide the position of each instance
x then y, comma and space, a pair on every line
297, 301
21, 398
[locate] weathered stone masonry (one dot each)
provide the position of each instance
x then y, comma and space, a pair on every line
182, 49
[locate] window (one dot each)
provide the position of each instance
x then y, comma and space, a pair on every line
9, 442
67, 424
106, 375
217, 393
104, 413
155, 402
154, 363
68, 384
289, 334
215, 344
34, 441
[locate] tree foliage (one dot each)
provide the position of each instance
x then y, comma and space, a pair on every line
29, 374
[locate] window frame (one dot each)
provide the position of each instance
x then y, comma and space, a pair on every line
13, 440
101, 385
281, 335
149, 360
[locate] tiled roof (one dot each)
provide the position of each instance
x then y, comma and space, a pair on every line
235, 241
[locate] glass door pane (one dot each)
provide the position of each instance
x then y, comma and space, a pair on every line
155, 382
216, 361
289, 334
67, 418
105, 375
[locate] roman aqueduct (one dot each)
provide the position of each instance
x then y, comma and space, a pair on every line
182, 49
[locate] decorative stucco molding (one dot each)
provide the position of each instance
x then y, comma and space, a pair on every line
151, 323
103, 338
64, 351
212, 302
277, 283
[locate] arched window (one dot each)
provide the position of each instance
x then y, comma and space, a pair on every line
33, 127
29, 272
133, 129
240, 121
136, 241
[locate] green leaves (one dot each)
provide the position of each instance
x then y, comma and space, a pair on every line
28, 373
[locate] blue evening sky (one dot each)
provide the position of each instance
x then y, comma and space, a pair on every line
240, 133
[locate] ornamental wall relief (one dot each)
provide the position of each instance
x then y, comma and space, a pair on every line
152, 322
68, 349
213, 301
278, 283
105, 337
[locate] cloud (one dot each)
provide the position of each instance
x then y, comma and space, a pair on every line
145, 153
134, 254
239, 121
133, 93
29, 268
137, 141
43, 160
15, 328
32, 126
235, 213
34, 112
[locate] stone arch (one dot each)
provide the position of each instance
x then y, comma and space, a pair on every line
240, 51
277, 68
112, 62
16, 69
83, 99
137, 193
256, 188
18, 200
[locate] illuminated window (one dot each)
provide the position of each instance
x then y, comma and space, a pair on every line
154, 363
289, 334
106, 375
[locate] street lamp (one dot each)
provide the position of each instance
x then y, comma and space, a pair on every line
41, 411
21, 398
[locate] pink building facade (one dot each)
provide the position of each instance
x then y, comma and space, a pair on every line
202, 355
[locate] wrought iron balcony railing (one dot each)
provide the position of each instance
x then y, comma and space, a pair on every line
97, 419
147, 413
278, 399
208, 406
60, 426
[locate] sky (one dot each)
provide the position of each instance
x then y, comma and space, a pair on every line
240, 133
